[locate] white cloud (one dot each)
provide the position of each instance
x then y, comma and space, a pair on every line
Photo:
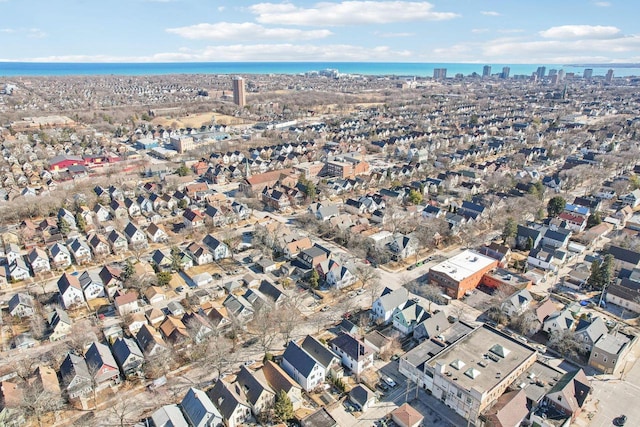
490, 13
348, 13
244, 31
602, 3
7, 30
518, 50
581, 31
511, 30
34, 33
479, 30
257, 52
221, 8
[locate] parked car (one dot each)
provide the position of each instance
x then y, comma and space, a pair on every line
325, 308
390, 382
382, 386
620, 421
360, 291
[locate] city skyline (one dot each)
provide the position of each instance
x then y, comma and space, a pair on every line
393, 31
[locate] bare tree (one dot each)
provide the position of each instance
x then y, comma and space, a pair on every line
37, 401
288, 318
264, 326
122, 412
367, 275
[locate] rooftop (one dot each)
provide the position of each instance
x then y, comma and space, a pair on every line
463, 265
489, 356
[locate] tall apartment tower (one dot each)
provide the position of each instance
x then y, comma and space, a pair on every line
541, 72
505, 72
439, 73
238, 91
486, 71
588, 73
609, 76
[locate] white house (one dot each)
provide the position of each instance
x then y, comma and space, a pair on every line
383, 308
355, 354
70, 290
218, 249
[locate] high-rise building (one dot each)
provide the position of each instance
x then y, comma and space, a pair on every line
553, 72
505, 72
486, 71
238, 91
541, 72
439, 73
609, 76
561, 75
588, 73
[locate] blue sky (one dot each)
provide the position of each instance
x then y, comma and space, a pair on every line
483, 31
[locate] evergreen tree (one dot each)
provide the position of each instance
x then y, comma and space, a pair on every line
529, 244
314, 280
606, 270
556, 206
63, 226
595, 278
283, 408
81, 223
510, 229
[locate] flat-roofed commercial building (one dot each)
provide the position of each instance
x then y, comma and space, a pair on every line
474, 371
461, 273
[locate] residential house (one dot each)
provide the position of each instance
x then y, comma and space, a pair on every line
402, 246
311, 257
431, 327
610, 351
542, 312
406, 416
99, 245
66, 216
199, 410
558, 238
11, 400
273, 292
174, 331
150, 341
169, 416
625, 293
588, 331
157, 233
111, 279
102, 365
632, 199
320, 417
101, 213
356, 355
528, 237
239, 307
21, 305
363, 397
569, 394
126, 303
59, 324
118, 242
279, 380
558, 322
383, 308
137, 239
340, 277
509, 410
218, 249
60, 255
128, 356
231, 402
18, 270
625, 258
406, 319
80, 250
200, 254
303, 368
155, 295
132, 206
70, 290
92, 285
118, 209
573, 222
295, 246
517, 303
192, 218
76, 379
198, 326
38, 260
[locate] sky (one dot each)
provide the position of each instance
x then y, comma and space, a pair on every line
475, 31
